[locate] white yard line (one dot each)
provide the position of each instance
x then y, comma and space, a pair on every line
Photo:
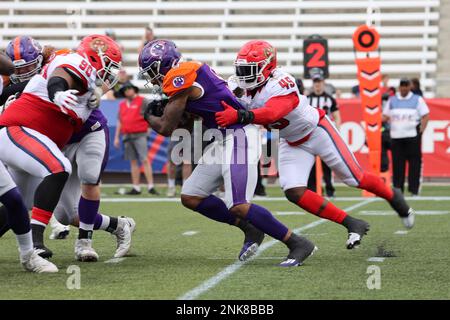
375, 259
232, 268
392, 213
268, 199
189, 233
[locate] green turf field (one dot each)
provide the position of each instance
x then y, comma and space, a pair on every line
165, 264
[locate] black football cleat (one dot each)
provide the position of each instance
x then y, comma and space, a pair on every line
253, 239
404, 211
153, 191
300, 249
133, 192
356, 230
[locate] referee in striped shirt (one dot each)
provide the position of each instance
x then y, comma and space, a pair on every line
318, 98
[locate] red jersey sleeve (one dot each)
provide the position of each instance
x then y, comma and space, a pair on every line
276, 108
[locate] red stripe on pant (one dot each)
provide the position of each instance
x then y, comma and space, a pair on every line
366, 180
344, 151
35, 148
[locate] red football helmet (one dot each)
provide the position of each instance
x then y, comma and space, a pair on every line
104, 55
254, 63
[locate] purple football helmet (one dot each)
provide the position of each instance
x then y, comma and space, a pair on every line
156, 59
26, 55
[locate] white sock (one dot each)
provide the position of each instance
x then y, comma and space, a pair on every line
171, 183
25, 242
105, 222
87, 227
150, 186
137, 187
34, 221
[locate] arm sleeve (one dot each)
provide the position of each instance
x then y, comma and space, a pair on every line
422, 107
275, 108
56, 84
77, 76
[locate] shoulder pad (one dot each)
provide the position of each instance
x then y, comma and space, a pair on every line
180, 77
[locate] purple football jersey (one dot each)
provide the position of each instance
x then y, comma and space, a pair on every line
215, 90
96, 121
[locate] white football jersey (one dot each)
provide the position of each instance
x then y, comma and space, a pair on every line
299, 122
79, 65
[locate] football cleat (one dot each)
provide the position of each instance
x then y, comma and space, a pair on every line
253, 239
299, 251
32, 262
408, 221
248, 250
356, 230
123, 233
43, 251
59, 231
84, 251
405, 212
171, 192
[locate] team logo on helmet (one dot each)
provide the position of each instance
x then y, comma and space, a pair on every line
97, 44
178, 81
268, 52
157, 49
36, 45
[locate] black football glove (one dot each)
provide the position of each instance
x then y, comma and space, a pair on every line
155, 108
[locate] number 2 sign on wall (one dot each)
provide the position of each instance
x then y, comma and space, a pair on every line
315, 55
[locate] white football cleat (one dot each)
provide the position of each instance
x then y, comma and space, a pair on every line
123, 233
59, 231
32, 262
171, 192
408, 221
84, 251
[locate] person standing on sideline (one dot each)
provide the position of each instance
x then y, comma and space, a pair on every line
320, 99
135, 130
408, 115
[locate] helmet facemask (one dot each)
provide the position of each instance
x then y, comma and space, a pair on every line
20, 75
151, 74
250, 74
109, 73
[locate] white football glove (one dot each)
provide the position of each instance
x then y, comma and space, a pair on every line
8, 102
66, 99
94, 99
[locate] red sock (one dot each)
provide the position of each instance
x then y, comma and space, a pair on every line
374, 184
41, 215
315, 204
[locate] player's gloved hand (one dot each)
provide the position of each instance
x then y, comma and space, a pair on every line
94, 99
154, 108
226, 117
66, 99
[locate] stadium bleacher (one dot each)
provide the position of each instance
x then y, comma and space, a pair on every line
212, 31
